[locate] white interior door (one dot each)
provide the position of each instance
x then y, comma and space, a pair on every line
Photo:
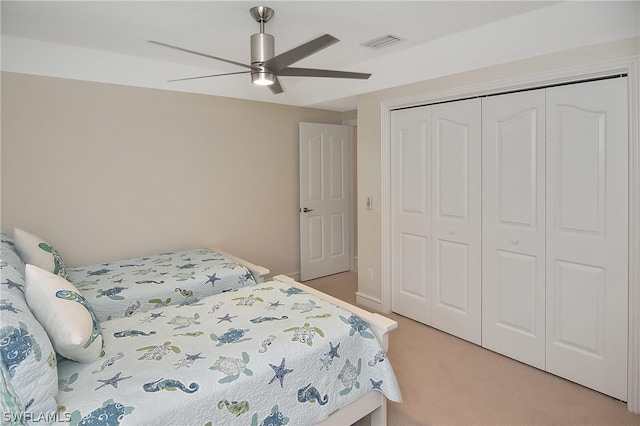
513, 226
411, 213
325, 164
587, 234
456, 218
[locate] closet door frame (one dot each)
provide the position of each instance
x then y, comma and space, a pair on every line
628, 66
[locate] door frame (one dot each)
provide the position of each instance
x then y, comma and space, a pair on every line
627, 66
353, 193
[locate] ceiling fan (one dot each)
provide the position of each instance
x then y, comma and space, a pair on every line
265, 68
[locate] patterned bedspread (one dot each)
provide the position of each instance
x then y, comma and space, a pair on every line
118, 289
267, 354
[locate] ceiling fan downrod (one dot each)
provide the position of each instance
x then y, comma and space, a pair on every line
262, 48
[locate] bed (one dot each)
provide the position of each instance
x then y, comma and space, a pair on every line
273, 353
120, 288
259, 353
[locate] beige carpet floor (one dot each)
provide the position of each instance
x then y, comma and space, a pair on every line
448, 381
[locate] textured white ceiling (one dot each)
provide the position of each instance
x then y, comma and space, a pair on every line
107, 40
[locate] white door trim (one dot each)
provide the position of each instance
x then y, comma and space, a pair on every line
353, 124
627, 66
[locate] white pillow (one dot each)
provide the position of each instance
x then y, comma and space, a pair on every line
64, 313
36, 251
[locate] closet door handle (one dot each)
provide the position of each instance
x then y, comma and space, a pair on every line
514, 240
307, 210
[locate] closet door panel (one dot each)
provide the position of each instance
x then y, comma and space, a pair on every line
411, 213
513, 185
587, 234
456, 213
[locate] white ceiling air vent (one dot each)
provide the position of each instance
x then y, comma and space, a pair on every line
384, 41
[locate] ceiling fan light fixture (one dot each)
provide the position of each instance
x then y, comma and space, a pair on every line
263, 78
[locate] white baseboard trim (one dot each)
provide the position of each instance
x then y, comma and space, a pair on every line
294, 275
369, 301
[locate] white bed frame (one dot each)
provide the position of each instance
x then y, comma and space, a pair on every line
259, 272
373, 403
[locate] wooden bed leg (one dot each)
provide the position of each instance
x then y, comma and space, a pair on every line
379, 416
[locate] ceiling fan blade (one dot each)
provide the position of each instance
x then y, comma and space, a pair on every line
296, 54
207, 76
311, 72
276, 87
201, 54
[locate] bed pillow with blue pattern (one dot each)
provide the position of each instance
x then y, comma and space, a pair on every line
27, 360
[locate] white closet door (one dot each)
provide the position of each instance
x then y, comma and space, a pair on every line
456, 218
513, 226
411, 213
587, 234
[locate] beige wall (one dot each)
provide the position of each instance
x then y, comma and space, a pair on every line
369, 137
106, 172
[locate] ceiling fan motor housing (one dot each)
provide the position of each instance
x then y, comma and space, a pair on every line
262, 49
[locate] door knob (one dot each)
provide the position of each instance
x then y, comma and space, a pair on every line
306, 210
